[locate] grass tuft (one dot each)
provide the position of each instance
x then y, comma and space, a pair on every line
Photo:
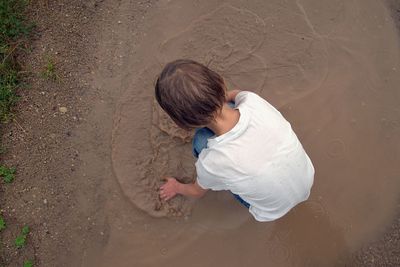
7, 174
2, 224
21, 239
12, 20
49, 71
12, 28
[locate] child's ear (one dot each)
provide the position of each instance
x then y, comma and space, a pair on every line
224, 83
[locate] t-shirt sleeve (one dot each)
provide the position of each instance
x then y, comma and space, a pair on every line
241, 97
247, 96
207, 180
253, 101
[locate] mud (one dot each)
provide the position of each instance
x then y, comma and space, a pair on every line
148, 151
331, 67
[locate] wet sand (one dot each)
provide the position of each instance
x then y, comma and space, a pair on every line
331, 68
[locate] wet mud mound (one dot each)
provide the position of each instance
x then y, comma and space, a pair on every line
148, 146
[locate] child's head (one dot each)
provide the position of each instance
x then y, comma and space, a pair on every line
190, 93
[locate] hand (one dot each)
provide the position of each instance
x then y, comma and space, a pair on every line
169, 189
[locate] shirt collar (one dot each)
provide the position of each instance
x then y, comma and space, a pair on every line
233, 133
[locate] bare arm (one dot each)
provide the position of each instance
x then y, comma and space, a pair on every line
172, 187
231, 95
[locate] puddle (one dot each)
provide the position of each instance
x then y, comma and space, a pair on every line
331, 67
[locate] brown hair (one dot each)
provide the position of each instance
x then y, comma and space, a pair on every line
190, 93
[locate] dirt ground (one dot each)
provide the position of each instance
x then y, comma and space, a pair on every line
60, 206
63, 157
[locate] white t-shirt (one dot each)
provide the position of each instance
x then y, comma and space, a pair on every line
260, 159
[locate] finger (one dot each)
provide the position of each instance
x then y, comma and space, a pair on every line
169, 197
163, 186
164, 195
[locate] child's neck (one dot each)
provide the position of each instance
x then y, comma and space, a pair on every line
225, 121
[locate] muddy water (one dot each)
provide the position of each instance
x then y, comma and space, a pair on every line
331, 67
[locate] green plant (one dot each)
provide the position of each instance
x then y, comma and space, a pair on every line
7, 173
8, 85
49, 71
21, 239
12, 27
2, 224
12, 21
25, 230
28, 263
